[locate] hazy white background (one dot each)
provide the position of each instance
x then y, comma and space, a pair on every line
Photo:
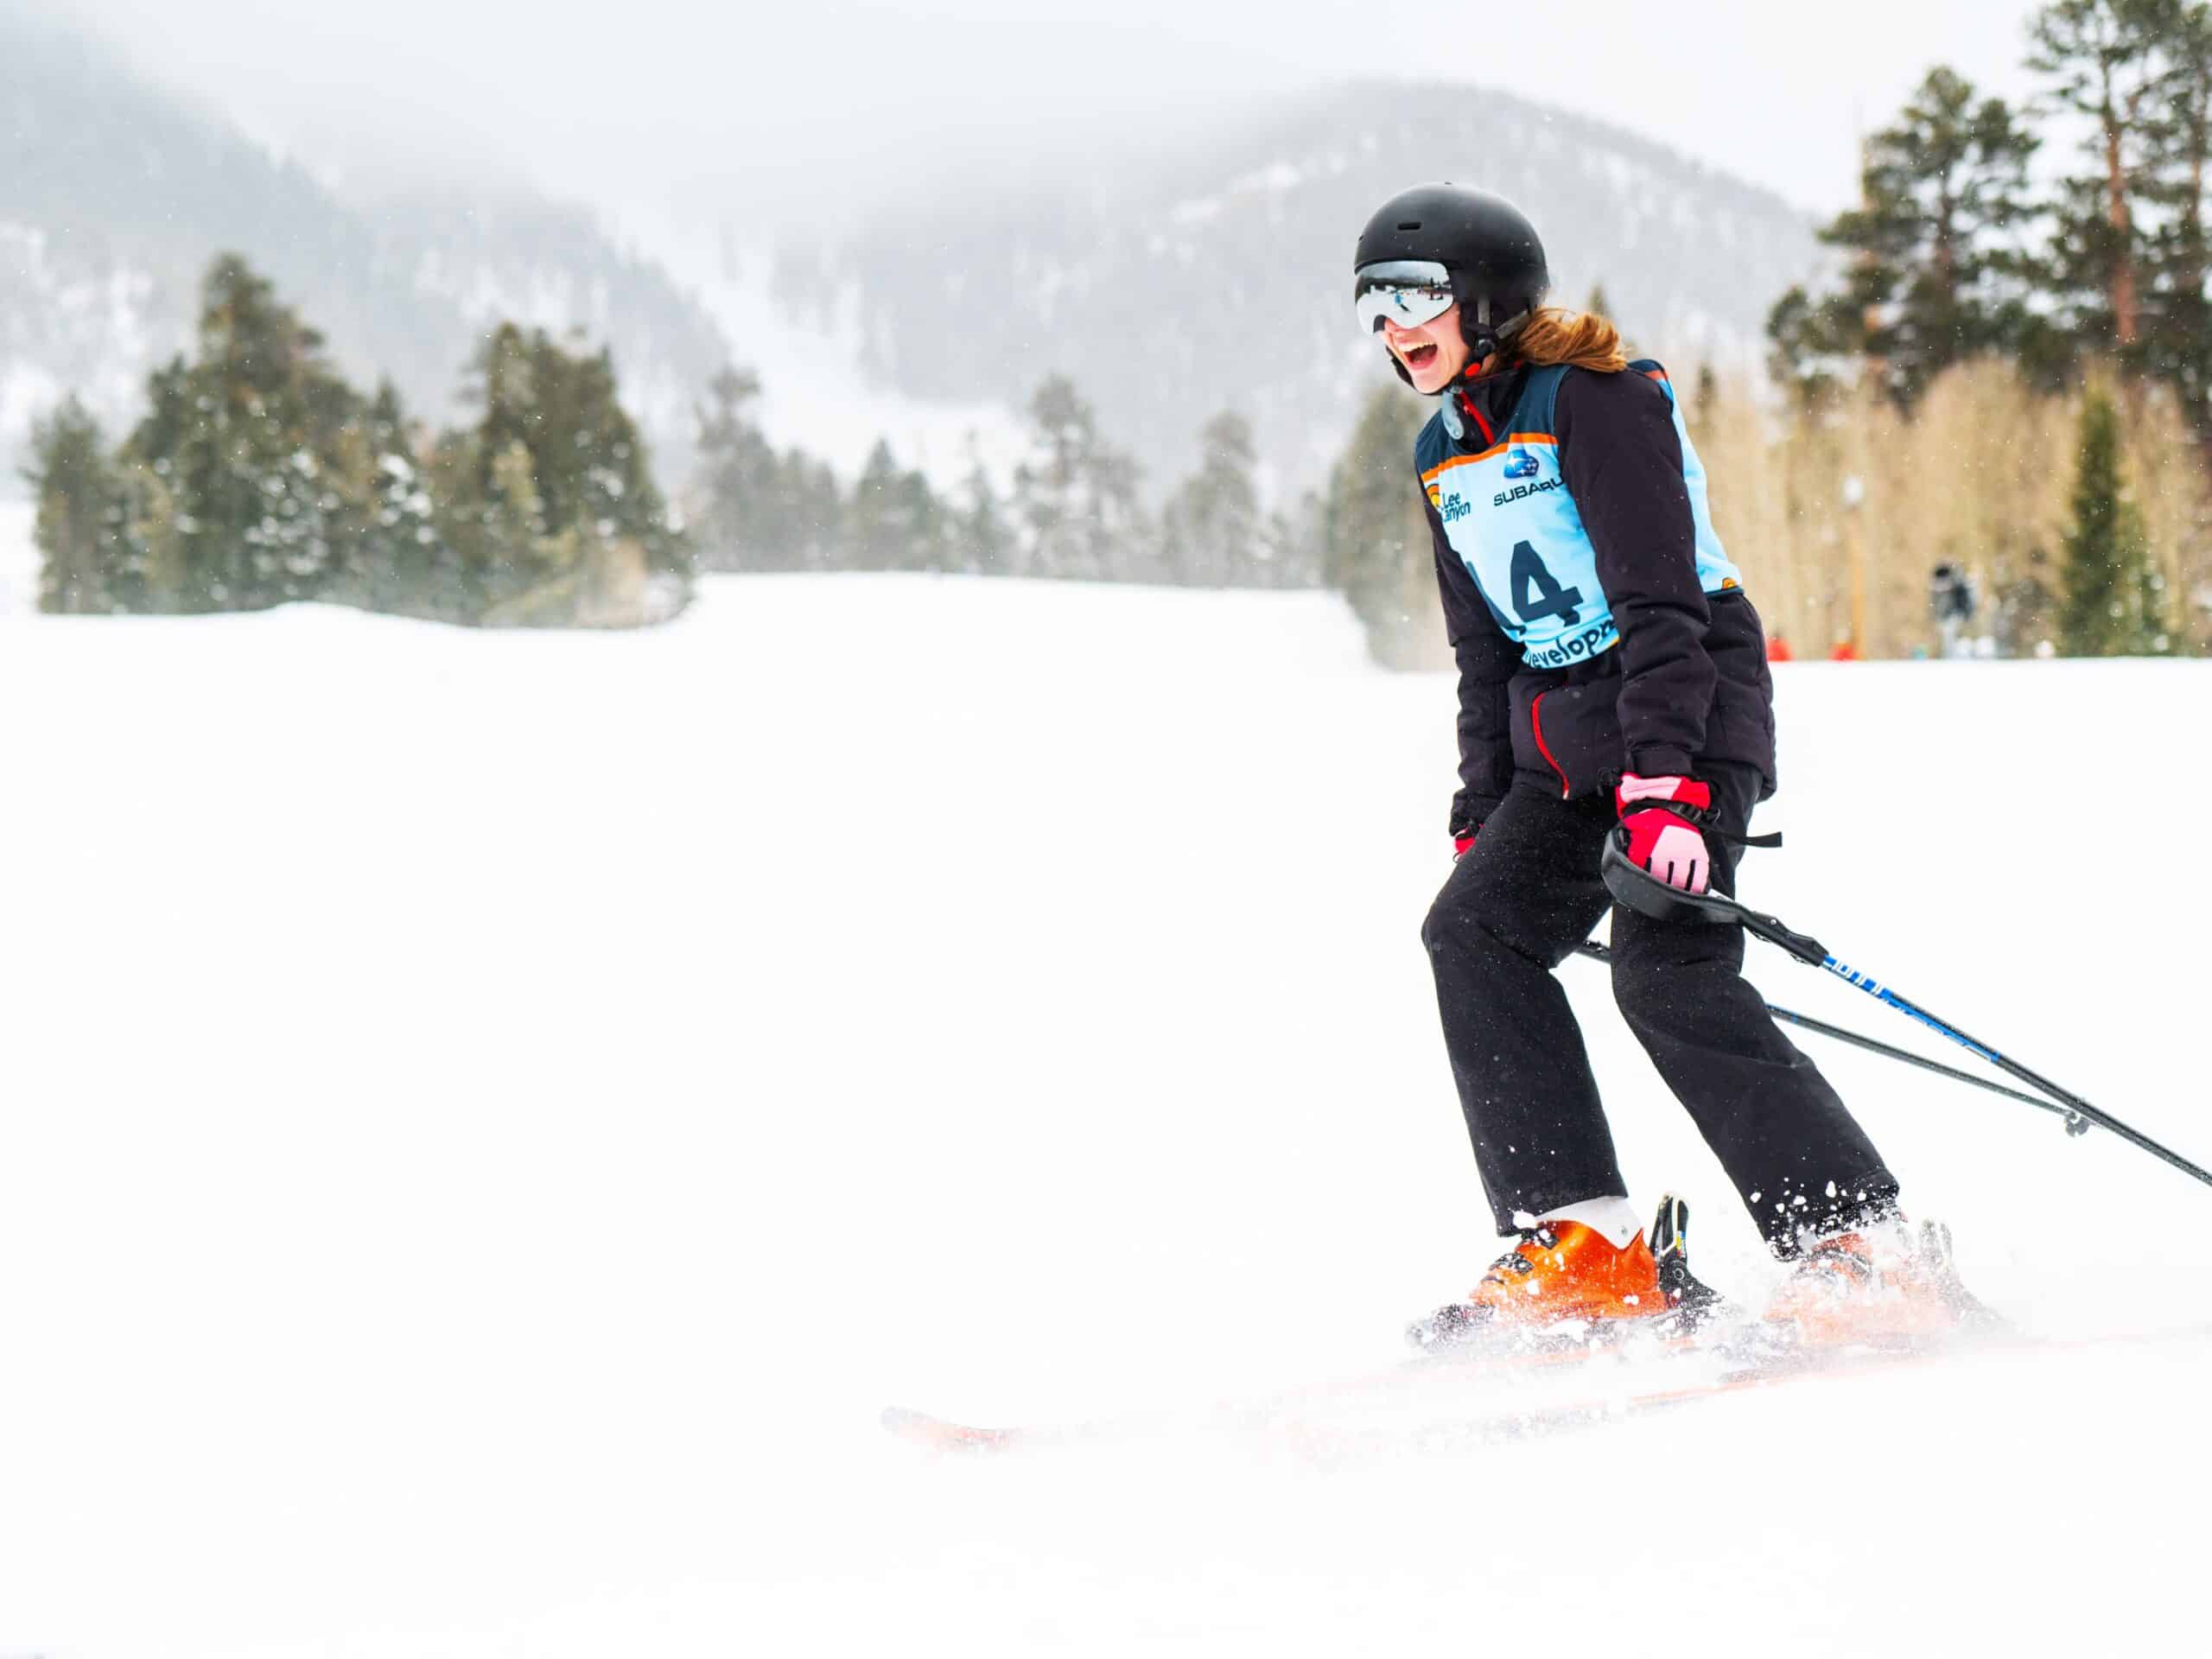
809, 113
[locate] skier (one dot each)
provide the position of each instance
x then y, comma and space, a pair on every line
1952, 600
1612, 677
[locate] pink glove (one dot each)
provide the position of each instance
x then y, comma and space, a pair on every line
1661, 816
1459, 845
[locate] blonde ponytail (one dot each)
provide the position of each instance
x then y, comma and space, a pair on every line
1581, 340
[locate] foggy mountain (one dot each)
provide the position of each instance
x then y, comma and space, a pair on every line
1179, 272
1174, 281
115, 195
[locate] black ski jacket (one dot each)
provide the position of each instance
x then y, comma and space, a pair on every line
1688, 681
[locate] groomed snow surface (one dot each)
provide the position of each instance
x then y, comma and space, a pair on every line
490, 1120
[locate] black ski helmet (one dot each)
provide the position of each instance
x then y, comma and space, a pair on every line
1492, 250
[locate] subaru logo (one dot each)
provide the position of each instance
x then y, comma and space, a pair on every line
1520, 463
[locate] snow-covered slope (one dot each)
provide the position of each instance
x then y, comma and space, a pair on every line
491, 1119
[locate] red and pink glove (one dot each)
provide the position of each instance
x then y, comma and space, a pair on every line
1661, 816
1459, 845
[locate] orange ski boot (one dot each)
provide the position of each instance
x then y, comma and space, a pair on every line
1560, 1273
1882, 1285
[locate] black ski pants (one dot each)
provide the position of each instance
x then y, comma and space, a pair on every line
1517, 904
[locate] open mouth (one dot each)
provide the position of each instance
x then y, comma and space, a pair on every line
1418, 356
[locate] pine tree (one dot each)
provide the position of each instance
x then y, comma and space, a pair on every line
737, 476
757, 510
85, 553
148, 465
982, 540
1295, 534
2105, 62
1815, 344
1934, 276
896, 522
245, 451
2113, 602
1211, 530
549, 501
813, 513
880, 538
1375, 545
1076, 500
2176, 346
403, 563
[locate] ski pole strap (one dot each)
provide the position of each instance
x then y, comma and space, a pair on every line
1706, 822
1646, 894
1769, 841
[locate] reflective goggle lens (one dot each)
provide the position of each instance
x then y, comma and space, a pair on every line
1408, 292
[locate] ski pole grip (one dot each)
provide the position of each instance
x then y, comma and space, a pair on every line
1646, 895
1802, 946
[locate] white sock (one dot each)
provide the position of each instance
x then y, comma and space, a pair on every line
1612, 1218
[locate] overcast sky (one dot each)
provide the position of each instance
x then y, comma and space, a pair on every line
781, 100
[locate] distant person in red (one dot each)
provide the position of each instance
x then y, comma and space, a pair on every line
1613, 678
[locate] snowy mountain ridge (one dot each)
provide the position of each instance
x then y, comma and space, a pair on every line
119, 194
1125, 278
931, 330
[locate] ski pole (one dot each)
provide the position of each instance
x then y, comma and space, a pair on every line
1649, 896
2075, 1123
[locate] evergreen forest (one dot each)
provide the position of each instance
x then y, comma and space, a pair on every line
257, 476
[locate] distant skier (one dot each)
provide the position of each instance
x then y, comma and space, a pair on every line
1611, 672
1953, 599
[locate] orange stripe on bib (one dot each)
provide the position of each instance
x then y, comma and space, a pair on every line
1518, 440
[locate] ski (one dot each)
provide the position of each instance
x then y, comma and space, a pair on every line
1487, 1381
1522, 1359
939, 1435
1784, 1367
1470, 1355
1755, 1358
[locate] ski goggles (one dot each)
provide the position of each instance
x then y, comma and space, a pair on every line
1407, 292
